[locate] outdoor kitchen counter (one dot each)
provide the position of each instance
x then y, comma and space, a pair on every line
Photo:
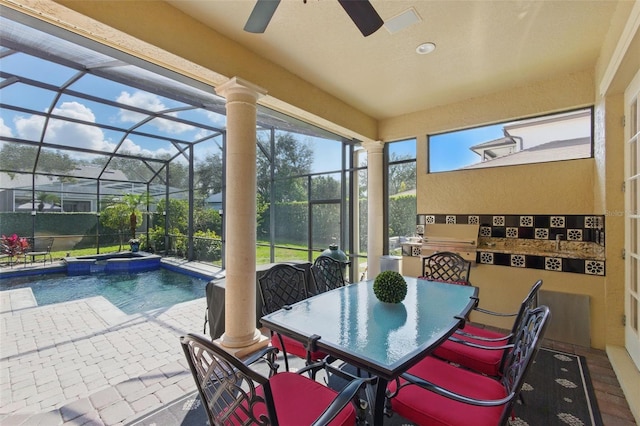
567, 249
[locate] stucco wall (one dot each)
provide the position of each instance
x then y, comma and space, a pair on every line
562, 187
565, 187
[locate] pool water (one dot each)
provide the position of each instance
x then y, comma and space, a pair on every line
132, 293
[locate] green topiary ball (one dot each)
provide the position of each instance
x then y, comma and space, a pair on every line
390, 287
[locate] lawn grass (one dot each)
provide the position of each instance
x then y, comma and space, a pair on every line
87, 251
283, 253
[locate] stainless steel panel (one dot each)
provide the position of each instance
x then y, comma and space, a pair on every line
391, 263
570, 317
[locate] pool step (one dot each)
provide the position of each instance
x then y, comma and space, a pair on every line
20, 298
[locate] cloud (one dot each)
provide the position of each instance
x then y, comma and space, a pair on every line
65, 133
153, 103
130, 147
5, 130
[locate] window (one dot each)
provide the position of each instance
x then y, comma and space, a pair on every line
564, 136
401, 193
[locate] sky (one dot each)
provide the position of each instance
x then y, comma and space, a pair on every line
60, 132
327, 154
450, 151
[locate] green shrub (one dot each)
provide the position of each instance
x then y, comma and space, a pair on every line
207, 245
390, 287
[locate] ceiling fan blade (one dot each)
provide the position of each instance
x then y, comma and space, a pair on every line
363, 15
261, 15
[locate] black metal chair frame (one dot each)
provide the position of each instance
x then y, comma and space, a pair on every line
447, 267
530, 302
41, 246
519, 360
327, 274
281, 286
228, 386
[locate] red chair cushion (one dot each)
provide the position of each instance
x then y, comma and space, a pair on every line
424, 407
300, 401
483, 360
296, 348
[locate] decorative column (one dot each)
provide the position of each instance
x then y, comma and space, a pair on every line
375, 219
240, 214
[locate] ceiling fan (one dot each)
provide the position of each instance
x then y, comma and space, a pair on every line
361, 13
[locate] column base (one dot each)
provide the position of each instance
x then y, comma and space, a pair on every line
243, 348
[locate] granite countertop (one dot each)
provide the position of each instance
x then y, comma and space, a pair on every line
568, 249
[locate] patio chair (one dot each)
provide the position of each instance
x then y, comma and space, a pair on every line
39, 247
284, 285
483, 350
436, 392
447, 267
233, 393
327, 274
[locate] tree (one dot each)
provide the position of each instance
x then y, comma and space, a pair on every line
325, 188
208, 175
402, 175
177, 212
291, 158
17, 157
121, 213
47, 198
132, 201
206, 220
114, 216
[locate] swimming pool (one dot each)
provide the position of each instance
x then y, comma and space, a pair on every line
132, 293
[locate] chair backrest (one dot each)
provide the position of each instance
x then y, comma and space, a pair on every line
529, 303
521, 357
227, 387
41, 244
282, 285
327, 274
446, 266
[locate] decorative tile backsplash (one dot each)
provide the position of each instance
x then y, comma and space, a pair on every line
534, 261
540, 227
588, 229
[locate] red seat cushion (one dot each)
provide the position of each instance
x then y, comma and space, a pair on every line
483, 360
424, 407
296, 348
298, 401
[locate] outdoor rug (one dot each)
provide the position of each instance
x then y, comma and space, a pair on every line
557, 391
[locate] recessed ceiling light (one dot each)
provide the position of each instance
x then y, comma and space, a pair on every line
425, 48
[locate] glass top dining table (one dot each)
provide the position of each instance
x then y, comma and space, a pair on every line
381, 338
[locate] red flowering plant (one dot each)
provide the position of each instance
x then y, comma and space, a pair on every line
14, 245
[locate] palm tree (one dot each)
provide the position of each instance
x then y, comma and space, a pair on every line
122, 213
45, 197
132, 201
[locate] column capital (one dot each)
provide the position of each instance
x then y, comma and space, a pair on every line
373, 146
236, 85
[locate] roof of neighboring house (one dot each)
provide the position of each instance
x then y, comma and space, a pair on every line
20, 180
214, 198
550, 151
495, 148
113, 182
496, 142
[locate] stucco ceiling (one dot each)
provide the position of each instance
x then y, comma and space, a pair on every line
482, 46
